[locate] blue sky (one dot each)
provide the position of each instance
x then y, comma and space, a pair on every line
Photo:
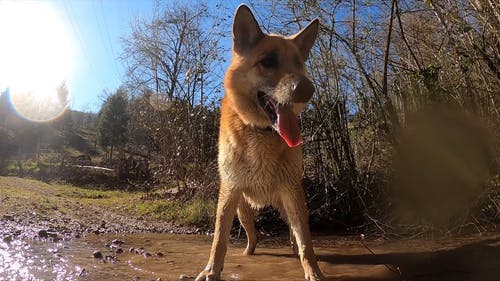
97, 27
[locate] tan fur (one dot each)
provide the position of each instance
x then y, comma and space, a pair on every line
256, 166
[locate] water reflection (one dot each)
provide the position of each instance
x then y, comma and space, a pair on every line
20, 260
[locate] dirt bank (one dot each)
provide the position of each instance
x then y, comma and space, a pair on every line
31, 209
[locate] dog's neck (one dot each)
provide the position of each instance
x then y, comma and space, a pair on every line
268, 129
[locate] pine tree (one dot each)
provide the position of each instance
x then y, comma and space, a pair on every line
113, 121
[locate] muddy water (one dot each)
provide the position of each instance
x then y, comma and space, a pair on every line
168, 256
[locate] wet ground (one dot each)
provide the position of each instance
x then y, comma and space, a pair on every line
167, 257
52, 232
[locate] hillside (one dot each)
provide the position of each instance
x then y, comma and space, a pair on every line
23, 142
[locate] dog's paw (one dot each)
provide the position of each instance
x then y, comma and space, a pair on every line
207, 275
315, 276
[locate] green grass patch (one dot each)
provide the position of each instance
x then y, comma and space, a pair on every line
17, 194
197, 212
27, 166
200, 212
81, 193
45, 205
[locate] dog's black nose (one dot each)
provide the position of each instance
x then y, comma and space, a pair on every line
303, 91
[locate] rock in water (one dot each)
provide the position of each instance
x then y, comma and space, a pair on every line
43, 234
97, 255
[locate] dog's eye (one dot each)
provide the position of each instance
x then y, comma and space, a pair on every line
270, 61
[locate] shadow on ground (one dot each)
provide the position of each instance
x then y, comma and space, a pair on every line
471, 262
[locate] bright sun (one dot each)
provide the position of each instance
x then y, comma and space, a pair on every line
36, 55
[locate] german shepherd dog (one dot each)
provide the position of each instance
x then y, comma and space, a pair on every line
260, 157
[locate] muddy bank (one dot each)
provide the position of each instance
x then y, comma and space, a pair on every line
30, 209
32, 225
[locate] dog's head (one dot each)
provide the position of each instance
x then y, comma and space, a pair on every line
266, 80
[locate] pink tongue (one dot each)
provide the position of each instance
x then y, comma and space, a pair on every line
288, 126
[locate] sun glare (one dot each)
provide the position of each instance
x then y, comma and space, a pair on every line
36, 55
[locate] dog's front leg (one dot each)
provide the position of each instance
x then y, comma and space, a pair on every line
226, 208
294, 205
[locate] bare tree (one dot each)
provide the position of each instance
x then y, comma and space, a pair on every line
170, 53
175, 63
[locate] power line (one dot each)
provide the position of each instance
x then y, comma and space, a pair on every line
109, 38
77, 31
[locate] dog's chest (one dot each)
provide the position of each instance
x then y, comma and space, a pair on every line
261, 168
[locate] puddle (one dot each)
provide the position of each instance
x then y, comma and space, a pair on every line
173, 255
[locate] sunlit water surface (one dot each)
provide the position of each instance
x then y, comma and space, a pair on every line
20, 260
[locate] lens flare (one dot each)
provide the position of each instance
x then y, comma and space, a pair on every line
40, 105
36, 54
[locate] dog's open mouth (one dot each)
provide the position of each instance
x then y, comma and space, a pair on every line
283, 119
269, 106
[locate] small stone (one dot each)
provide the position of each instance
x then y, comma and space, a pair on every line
43, 234
97, 255
8, 217
96, 231
7, 239
159, 254
136, 278
83, 273
111, 259
119, 251
146, 254
116, 242
131, 250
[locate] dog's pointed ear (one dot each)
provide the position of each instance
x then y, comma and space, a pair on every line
306, 37
246, 30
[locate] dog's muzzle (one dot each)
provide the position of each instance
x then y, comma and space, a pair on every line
294, 89
279, 106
